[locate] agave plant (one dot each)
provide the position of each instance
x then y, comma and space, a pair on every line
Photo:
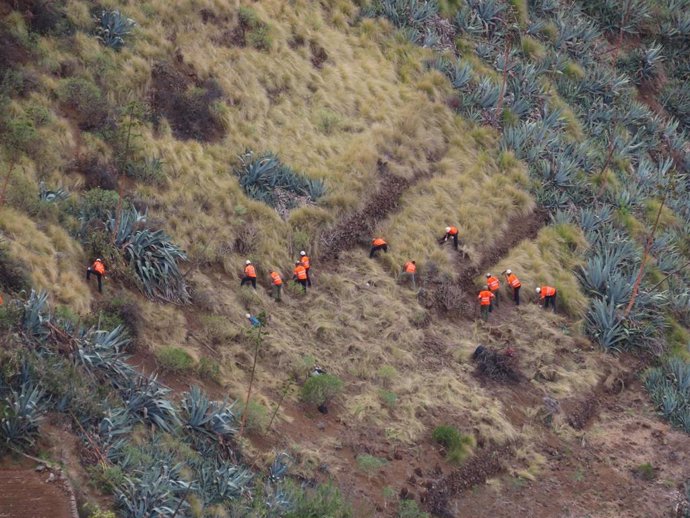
55, 196
146, 399
210, 418
156, 494
36, 319
112, 28
403, 13
606, 326
220, 481
21, 414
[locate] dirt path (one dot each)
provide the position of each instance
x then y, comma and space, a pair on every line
30, 494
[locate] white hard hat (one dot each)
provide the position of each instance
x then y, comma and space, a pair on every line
538, 290
509, 272
303, 253
447, 229
488, 275
248, 315
247, 262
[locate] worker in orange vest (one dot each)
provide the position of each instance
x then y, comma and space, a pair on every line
249, 274
514, 284
451, 232
376, 245
300, 275
304, 259
410, 272
548, 296
485, 297
97, 269
494, 285
277, 283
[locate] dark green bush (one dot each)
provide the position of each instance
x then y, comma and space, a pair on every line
320, 390
174, 360
84, 100
457, 445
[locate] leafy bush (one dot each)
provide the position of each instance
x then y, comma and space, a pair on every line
267, 179
112, 28
369, 463
457, 445
84, 99
174, 360
320, 390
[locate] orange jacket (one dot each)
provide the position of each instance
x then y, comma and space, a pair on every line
514, 281
485, 297
98, 267
493, 283
453, 231
378, 242
277, 280
547, 291
250, 271
300, 272
305, 261
1, 301
410, 267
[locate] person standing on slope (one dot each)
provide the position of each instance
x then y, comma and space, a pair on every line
485, 297
377, 244
304, 259
494, 285
299, 274
514, 284
97, 269
277, 283
410, 272
548, 296
451, 232
249, 274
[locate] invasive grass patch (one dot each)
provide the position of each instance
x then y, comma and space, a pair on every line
219, 330
251, 31
458, 446
13, 275
84, 101
369, 463
324, 500
174, 360
532, 48
645, 472
208, 369
388, 398
410, 509
106, 478
256, 417
321, 389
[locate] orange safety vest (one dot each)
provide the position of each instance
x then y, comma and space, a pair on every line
305, 261
301, 272
410, 267
277, 281
514, 281
547, 291
1, 301
493, 283
250, 271
98, 267
453, 231
378, 242
485, 297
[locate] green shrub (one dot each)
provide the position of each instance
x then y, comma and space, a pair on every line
174, 359
254, 31
457, 445
106, 478
208, 369
389, 398
645, 471
100, 513
85, 100
325, 501
320, 390
369, 463
257, 417
410, 509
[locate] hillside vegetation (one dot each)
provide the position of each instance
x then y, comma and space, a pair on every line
177, 140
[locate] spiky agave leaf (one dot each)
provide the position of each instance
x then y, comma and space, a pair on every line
211, 418
606, 326
155, 493
146, 399
221, 482
36, 318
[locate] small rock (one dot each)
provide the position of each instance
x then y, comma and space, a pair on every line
51, 478
412, 480
397, 455
40, 468
418, 472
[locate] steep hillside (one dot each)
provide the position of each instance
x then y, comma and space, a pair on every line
177, 140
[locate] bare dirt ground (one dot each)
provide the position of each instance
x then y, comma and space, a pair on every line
26, 493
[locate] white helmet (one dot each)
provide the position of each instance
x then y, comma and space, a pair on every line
538, 290
447, 229
247, 315
303, 253
509, 272
247, 262
488, 275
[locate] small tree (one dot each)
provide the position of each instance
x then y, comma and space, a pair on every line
321, 389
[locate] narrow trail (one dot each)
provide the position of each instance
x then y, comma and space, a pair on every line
361, 223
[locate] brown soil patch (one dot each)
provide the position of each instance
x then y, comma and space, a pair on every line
181, 97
